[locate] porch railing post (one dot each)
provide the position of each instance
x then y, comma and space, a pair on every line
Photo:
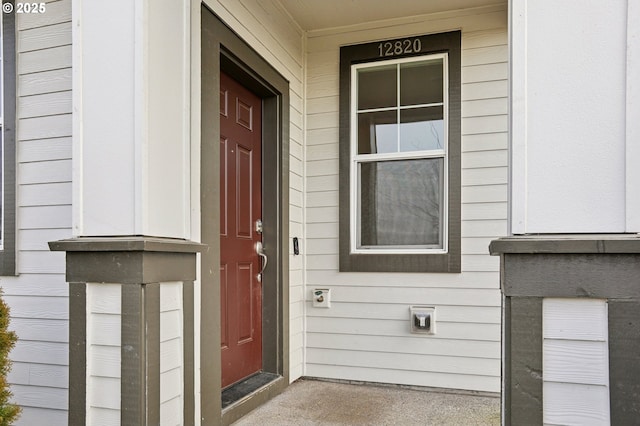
117, 284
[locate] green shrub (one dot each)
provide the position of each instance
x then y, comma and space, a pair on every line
8, 412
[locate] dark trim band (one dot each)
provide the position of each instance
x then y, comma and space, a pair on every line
188, 348
523, 361
77, 353
130, 267
569, 244
624, 368
140, 355
8, 140
135, 243
571, 275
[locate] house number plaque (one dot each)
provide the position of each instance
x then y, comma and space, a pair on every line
399, 47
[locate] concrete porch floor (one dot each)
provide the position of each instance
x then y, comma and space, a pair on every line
313, 402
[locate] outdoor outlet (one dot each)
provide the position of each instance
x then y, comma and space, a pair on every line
322, 298
423, 319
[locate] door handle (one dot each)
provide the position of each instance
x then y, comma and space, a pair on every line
260, 252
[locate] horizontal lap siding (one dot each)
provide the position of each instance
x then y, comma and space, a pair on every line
364, 335
38, 297
171, 354
575, 361
268, 29
104, 325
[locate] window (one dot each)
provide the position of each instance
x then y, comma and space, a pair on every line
7, 145
400, 155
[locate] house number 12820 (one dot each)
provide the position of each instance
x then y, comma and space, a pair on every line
399, 47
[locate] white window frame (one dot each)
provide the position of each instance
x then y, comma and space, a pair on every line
356, 159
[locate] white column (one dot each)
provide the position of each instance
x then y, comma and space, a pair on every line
633, 117
131, 155
518, 115
568, 117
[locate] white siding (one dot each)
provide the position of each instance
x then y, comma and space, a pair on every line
38, 296
365, 334
104, 320
575, 362
171, 354
268, 29
104, 353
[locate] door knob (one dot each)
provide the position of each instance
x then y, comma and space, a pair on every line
260, 252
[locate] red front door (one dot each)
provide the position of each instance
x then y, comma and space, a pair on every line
240, 208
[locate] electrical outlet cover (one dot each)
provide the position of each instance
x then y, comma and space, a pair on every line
321, 298
422, 319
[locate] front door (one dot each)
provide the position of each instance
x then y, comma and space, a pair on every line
240, 210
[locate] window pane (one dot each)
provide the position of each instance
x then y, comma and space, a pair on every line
421, 82
401, 203
377, 132
421, 129
377, 87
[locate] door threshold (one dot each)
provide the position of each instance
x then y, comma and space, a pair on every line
242, 389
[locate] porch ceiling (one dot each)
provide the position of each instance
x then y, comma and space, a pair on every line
316, 14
